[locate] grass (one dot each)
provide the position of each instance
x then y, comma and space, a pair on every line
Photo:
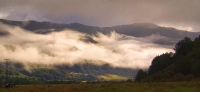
110, 77
110, 87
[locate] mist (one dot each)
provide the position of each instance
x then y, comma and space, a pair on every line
68, 47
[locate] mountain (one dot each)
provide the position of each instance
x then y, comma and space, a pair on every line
136, 29
183, 65
146, 29
162, 35
43, 27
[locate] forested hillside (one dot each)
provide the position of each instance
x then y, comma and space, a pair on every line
183, 65
20, 74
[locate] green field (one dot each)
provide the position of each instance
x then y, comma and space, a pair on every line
109, 87
110, 77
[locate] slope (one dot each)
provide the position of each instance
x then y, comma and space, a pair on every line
183, 65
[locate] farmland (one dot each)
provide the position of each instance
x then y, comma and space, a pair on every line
110, 77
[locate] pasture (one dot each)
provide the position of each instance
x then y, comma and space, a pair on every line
109, 87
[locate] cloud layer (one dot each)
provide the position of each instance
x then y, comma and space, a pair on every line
176, 13
67, 47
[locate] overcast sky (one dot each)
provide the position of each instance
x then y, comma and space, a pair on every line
182, 14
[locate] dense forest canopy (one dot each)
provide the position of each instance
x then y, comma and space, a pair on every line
183, 65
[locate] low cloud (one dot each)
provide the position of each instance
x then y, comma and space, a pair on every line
67, 47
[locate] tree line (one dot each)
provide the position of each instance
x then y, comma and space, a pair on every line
183, 65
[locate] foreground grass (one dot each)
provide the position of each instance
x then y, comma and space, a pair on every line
111, 87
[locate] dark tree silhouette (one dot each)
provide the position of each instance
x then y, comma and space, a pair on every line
140, 75
159, 63
183, 47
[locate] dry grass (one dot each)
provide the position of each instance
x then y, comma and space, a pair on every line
116, 87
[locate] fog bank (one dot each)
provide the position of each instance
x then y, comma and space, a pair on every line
68, 47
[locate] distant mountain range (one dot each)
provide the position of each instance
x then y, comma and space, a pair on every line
136, 29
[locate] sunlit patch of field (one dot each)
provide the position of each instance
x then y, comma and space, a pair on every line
109, 87
110, 77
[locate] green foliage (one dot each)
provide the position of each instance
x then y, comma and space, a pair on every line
197, 42
61, 74
183, 47
184, 65
109, 77
159, 63
140, 75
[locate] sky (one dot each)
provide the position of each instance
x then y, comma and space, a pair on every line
181, 14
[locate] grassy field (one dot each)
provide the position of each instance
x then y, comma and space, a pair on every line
110, 77
111, 87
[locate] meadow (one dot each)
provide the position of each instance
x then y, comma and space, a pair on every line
109, 87
110, 77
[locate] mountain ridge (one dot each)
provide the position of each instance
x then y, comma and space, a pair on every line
135, 29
